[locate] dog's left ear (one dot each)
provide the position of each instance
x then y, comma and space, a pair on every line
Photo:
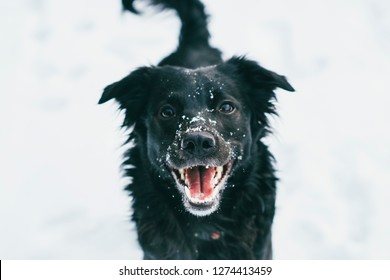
258, 85
131, 92
255, 75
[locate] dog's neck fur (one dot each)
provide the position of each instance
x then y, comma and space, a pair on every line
204, 237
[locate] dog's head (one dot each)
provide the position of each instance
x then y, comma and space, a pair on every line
198, 126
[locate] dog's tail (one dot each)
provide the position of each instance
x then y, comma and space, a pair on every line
194, 49
192, 15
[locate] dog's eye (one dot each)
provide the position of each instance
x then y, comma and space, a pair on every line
227, 108
167, 112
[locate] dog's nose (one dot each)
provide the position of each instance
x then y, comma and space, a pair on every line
198, 143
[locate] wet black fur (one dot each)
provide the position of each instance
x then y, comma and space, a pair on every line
243, 221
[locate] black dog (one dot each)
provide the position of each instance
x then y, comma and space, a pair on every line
203, 181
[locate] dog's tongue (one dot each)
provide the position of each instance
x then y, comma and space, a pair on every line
199, 179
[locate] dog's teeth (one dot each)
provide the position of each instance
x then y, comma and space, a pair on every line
182, 174
217, 175
188, 193
219, 172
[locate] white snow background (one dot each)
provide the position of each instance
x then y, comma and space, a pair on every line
61, 191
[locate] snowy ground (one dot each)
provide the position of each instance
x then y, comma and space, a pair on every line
60, 186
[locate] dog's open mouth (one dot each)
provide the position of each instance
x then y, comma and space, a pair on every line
202, 184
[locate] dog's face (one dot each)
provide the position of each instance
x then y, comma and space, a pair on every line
197, 130
197, 127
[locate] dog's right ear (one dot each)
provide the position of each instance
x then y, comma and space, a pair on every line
131, 92
129, 87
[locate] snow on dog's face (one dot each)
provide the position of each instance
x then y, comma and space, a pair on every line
196, 127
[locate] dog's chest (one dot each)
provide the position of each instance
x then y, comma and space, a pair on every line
208, 234
205, 239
